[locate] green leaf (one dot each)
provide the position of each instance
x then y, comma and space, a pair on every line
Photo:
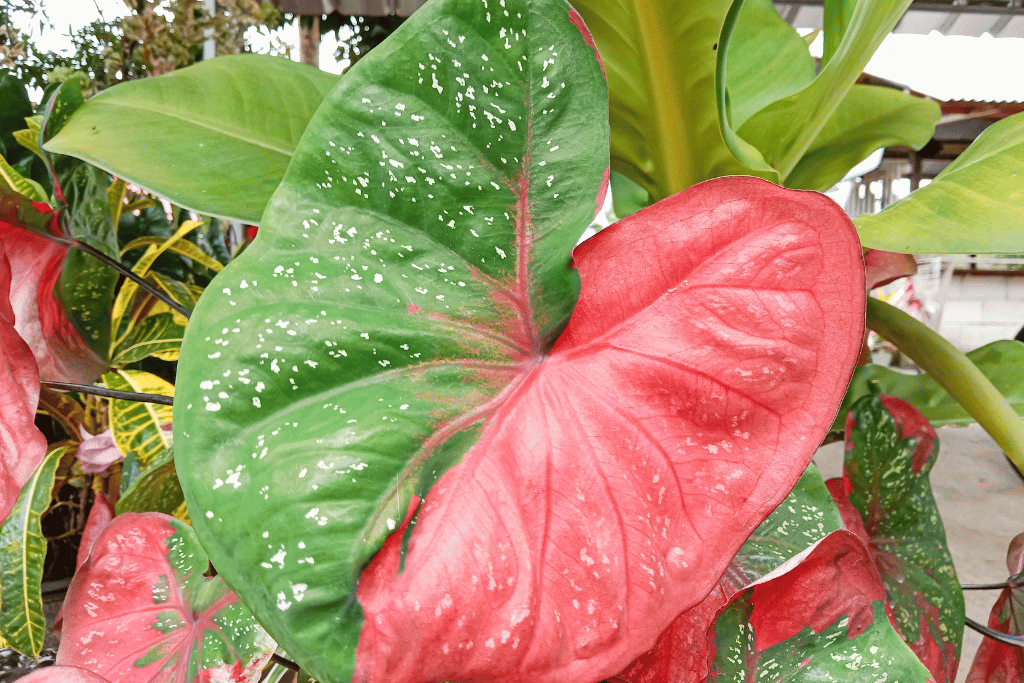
153, 489
385, 278
869, 117
806, 516
627, 196
823, 619
13, 181
138, 428
890, 450
199, 135
181, 247
838, 14
661, 60
786, 129
1002, 362
155, 335
767, 60
954, 372
972, 207
22, 551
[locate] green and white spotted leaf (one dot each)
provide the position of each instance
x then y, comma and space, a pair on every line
416, 249
140, 430
22, 551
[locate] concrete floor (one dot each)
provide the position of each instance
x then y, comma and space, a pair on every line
981, 500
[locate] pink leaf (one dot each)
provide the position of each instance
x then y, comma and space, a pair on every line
883, 267
63, 674
22, 445
140, 610
997, 662
60, 351
99, 517
715, 334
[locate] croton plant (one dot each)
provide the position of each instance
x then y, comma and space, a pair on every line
421, 432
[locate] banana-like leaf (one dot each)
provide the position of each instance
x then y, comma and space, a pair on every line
1002, 362
786, 129
822, 618
140, 609
22, 551
661, 61
972, 207
199, 135
955, 373
869, 117
139, 429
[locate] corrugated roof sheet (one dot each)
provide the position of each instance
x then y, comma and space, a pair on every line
1001, 18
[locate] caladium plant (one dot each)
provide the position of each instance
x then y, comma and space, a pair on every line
433, 471
998, 662
140, 610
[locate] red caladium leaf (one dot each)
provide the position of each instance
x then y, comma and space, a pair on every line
63, 674
61, 353
890, 449
819, 617
140, 610
99, 517
997, 662
22, 445
398, 314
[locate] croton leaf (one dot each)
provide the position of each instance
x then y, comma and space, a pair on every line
806, 516
22, 445
997, 662
366, 342
820, 617
1001, 361
207, 131
140, 430
60, 351
140, 609
890, 449
22, 551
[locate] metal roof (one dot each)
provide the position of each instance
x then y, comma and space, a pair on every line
365, 8
999, 18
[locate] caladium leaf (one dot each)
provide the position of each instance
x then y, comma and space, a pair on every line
140, 610
63, 674
972, 207
22, 551
1001, 361
208, 130
821, 617
60, 351
997, 662
883, 267
99, 517
352, 371
661, 62
806, 516
22, 445
890, 449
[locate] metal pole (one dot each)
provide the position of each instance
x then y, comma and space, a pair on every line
209, 45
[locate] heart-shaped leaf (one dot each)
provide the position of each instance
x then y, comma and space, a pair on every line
1001, 361
822, 617
63, 674
972, 207
890, 449
198, 135
997, 662
367, 342
140, 609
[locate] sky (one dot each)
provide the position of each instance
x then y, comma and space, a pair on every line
945, 67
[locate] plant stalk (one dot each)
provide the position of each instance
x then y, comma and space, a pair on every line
1004, 638
954, 372
109, 393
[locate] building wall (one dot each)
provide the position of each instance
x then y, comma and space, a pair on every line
982, 308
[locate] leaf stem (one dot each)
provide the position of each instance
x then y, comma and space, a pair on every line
983, 586
287, 663
1004, 638
954, 372
109, 393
